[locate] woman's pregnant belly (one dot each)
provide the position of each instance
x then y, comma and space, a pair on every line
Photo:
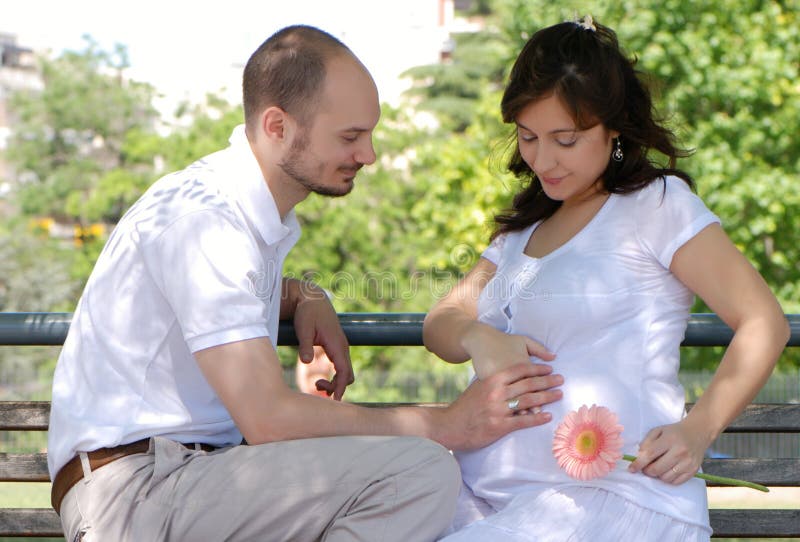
506, 467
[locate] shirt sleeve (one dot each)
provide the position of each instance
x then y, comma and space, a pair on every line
668, 215
495, 249
212, 275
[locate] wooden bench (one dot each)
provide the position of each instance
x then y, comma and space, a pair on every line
406, 330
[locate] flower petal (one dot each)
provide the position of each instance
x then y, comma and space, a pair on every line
588, 443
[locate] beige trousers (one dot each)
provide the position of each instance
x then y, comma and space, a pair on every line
366, 489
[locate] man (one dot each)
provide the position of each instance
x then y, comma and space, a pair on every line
170, 359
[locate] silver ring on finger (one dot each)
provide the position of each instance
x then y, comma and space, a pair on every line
513, 404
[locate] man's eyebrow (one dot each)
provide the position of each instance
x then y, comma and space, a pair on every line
355, 129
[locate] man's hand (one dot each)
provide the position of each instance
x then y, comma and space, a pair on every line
482, 415
316, 323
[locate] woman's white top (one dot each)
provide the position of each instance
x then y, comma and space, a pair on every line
608, 306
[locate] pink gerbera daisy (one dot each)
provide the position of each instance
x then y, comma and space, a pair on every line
587, 443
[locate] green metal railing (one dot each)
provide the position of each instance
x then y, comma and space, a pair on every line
362, 329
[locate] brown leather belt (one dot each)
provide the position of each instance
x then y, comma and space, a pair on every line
71, 473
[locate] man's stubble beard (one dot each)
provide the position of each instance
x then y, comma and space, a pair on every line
293, 165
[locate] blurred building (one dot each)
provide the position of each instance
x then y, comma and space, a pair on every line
413, 33
388, 37
18, 72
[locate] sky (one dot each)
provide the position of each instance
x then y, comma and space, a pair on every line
187, 48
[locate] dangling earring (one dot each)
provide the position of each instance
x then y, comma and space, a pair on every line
617, 154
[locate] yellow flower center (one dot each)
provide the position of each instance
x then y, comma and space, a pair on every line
587, 443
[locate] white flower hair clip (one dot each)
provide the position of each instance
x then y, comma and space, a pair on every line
587, 23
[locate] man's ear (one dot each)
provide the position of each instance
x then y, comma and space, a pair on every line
274, 123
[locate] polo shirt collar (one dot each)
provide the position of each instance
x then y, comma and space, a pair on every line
254, 196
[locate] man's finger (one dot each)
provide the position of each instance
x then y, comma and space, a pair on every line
529, 419
534, 384
533, 401
324, 385
343, 367
339, 385
305, 342
520, 371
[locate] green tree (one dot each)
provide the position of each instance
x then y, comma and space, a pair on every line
35, 275
78, 147
450, 90
200, 130
86, 123
724, 74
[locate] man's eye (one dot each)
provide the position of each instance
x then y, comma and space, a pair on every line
350, 138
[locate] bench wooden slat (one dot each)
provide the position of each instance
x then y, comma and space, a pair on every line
756, 418
24, 415
769, 472
755, 523
33, 522
767, 418
23, 467
42, 522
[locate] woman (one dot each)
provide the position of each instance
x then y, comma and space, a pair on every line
594, 269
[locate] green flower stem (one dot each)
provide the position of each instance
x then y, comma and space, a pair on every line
717, 479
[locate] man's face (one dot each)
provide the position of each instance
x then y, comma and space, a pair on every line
328, 151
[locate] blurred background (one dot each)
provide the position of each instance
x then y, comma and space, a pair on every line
100, 99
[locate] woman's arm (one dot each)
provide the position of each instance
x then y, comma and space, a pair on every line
449, 322
712, 267
452, 331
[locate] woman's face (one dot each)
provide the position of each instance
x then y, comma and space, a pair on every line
567, 161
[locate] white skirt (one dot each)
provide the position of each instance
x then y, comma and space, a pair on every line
567, 514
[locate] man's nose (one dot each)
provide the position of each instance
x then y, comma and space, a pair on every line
365, 154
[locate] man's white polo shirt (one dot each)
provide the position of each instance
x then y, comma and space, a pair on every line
195, 263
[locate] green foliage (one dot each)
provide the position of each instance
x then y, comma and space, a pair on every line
464, 186
725, 74
34, 269
114, 192
208, 127
35, 275
79, 126
730, 77
449, 90
83, 150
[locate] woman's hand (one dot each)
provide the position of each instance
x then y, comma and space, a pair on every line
672, 453
492, 350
